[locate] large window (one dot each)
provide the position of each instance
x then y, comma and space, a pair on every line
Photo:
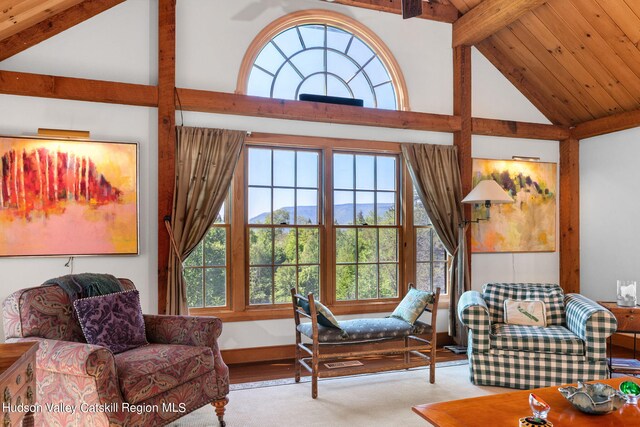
366, 221
322, 53
282, 223
338, 218
206, 268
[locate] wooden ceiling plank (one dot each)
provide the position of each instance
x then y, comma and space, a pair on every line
53, 25
622, 14
430, 10
634, 5
489, 17
18, 16
596, 46
540, 76
568, 66
610, 32
577, 48
518, 76
604, 125
564, 77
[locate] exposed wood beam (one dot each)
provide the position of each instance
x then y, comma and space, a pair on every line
608, 124
570, 215
243, 105
489, 17
462, 140
166, 137
45, 86
431, 11
53, 25
511, 129
26, 84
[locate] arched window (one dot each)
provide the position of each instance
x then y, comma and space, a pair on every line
322, 53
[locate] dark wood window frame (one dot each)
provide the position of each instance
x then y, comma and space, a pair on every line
238, 308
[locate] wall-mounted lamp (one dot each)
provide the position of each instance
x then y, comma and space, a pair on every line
64, 133
487, 192
526, 158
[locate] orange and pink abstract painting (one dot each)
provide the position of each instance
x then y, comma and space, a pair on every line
63, 197
528, 224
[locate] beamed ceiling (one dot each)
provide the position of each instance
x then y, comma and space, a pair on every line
575, 60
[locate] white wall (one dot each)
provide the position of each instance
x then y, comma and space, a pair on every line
120, 45
213, 36
609, 212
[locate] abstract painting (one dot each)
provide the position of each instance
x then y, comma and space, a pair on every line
528, 224
64, 197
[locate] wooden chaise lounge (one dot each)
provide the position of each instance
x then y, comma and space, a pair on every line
369, 333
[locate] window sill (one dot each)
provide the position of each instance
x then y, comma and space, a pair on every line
286, 311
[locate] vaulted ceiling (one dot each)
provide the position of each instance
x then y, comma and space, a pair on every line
24, 23
576, 60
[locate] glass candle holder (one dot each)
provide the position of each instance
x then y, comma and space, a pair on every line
626, 293
539, 407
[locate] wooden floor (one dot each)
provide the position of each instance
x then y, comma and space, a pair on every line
265, 371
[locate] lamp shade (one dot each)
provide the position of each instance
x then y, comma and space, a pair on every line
488, 190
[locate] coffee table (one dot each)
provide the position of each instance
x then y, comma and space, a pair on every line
505, 409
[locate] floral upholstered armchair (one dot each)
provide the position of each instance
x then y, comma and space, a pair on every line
571, 348
179, 371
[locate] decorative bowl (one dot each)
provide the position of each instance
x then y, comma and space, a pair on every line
597, 398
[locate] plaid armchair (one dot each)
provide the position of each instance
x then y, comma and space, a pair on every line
179, 371
572, 347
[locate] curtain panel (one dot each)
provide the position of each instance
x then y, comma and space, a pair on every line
436, 176
205, 161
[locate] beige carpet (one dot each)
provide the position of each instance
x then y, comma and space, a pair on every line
378, 400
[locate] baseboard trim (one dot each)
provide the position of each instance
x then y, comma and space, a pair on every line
285, 352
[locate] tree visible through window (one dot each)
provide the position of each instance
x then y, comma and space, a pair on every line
205, 269
366, 226
321, 59
283, 217
431, 256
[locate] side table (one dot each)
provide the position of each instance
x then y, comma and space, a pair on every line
17, 383
629, 322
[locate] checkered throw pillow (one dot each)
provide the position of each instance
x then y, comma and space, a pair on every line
494, 295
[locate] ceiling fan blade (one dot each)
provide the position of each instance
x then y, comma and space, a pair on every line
411, 8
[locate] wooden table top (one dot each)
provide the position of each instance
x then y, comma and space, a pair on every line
505, 409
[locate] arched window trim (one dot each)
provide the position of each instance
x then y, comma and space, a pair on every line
325, 17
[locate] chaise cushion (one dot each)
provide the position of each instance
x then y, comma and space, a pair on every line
536, 339
366, 330
148, 371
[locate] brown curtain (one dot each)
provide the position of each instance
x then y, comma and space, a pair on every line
436, 176
205, 160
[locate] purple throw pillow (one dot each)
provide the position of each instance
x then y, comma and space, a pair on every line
113, 321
